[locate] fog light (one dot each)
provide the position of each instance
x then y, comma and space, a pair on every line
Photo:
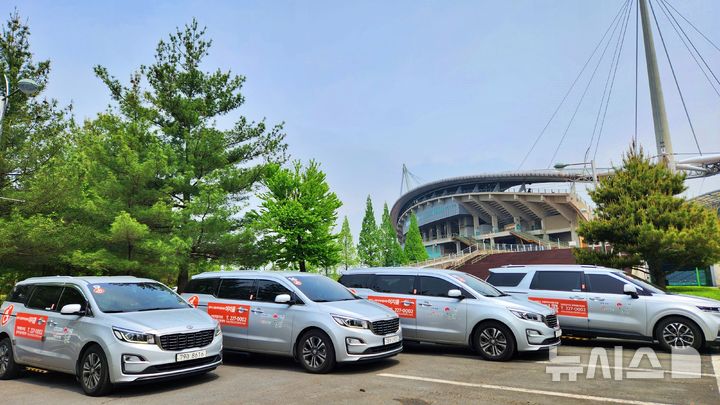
354, 341
130, 358
533, 332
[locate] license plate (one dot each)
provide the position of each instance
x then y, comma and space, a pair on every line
191, 355
391, 339
558, 333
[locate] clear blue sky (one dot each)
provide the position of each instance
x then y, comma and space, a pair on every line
449, 88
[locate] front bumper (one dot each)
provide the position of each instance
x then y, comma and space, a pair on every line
362, 344
533, 336
136, 362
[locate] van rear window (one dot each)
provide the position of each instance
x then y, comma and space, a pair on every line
505, 279
20, 293
202, 286
356, 280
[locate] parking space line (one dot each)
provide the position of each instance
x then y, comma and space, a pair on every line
522, 390
621, 368
715, 361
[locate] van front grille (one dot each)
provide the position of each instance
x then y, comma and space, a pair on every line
386, 326
182, 341
551, 321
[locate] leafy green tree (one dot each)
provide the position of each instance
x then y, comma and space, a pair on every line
639, 213
414, 248
296, 217
210, 170
369, 247
348, 253
393, 254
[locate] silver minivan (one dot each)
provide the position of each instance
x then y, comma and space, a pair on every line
597, 301
307, 316
105, 331
455, 308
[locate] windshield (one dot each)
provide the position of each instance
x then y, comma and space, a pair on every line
647, 287
478, 285
134, 297
322, 289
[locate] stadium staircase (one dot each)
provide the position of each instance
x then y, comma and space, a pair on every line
530, 238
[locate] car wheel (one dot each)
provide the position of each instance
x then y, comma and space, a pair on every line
8, 368
494, 342
678, 332
94, 375
316, 352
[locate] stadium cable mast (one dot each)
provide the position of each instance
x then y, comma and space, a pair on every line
408, 181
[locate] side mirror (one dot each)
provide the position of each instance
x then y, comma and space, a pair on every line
283, 299
630, 290
455, 293
72, 309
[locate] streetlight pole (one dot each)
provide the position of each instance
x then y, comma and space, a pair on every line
560, 166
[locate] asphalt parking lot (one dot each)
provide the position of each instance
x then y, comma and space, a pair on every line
422, 374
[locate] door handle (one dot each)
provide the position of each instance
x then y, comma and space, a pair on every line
597, 299
257, 311
52, 323
425, 304
576, 297
407, 303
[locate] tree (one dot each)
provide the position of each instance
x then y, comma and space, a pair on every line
393, 254
296, 217
414, 248
639, 214
210, 170
369, 249
348, 253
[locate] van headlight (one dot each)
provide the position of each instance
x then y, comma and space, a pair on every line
710, 309
351, 322
218, 331
528, 316
133, 337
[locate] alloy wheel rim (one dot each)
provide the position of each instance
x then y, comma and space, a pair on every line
678, 334
92, 370
4, 358
493, 342
314, 352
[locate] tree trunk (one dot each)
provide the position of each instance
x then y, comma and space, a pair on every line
302, 266
657, 275
182, 279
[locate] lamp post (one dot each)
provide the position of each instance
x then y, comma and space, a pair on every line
28, 87
560, 166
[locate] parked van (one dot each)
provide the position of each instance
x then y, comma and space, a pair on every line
105, 331
307, 316
597, 301
451, 307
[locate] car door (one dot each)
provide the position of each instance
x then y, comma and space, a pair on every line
563, 291
440, 318
31, 327
231, 308
64, 333
397, 292
270, 328
610, 309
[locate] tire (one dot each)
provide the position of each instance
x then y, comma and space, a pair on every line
93, 373
494, 341
678, 332
316, 352
8, 368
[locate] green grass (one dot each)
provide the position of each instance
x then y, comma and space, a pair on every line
707, 292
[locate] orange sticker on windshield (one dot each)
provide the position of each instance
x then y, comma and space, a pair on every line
403, 307
30, 326
229, 314
574, 308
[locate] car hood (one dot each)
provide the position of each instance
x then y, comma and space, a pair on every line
362, 309
165, 321
512, 302
691, 300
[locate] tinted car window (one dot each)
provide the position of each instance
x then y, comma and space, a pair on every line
268, 290
237, 289
394, 284
20, 293
134, 297
322, 289
435, 287
203, 286
557, 281
45, 297
356, 280
505, 279
601, 283
69, 296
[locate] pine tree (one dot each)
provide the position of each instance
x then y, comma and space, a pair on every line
393, 254
348, 253
639, 214
369, 248
414, 248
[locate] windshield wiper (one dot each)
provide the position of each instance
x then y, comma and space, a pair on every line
154, 309
115, 311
